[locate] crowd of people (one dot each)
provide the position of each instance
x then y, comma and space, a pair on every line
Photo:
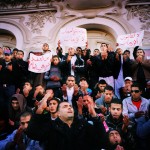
85, 101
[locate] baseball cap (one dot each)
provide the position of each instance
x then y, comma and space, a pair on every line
7, 51
128, 78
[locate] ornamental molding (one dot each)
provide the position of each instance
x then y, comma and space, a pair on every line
37, 20
19, 27
142, 12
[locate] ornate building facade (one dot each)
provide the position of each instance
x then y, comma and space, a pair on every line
28, 24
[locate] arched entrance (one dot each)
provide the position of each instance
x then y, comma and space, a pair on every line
97, 34
15, 31
21, 33
7, 38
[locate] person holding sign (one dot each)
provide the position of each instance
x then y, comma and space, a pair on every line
46, 49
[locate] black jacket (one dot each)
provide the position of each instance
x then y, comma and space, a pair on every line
56, 135
22, 72
105, 67
7, 76
66, 68
128, 138
126, 66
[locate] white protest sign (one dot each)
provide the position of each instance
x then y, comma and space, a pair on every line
131, 40
39, 64
73, 36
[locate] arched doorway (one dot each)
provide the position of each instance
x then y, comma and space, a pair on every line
97, 34
7, 38
20, 32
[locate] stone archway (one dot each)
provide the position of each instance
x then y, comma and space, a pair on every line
97, 34
7, 38
21, 34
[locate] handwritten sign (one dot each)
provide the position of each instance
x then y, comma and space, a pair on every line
73, 36
39, 64
131, 40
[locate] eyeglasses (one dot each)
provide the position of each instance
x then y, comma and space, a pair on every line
136, 91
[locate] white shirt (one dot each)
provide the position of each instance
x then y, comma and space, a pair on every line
70, 92
73, 60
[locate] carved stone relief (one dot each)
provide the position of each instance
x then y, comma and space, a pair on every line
118, 8
142, 12
37, 20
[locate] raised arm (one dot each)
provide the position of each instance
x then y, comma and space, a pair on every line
40, 124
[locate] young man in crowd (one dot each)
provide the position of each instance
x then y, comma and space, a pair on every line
17, 106
59, 52
135, 106
115, 140
38, 92
79, 51
84, 87
8, 77
46, 49
14, 54
18, 140
49, 105
22, 68
104, 102
105, 63
67, 132
83, 105
28, 92
115, 120
70, 91
99, 89
126, 90
53, 77
96, 52
141, 68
